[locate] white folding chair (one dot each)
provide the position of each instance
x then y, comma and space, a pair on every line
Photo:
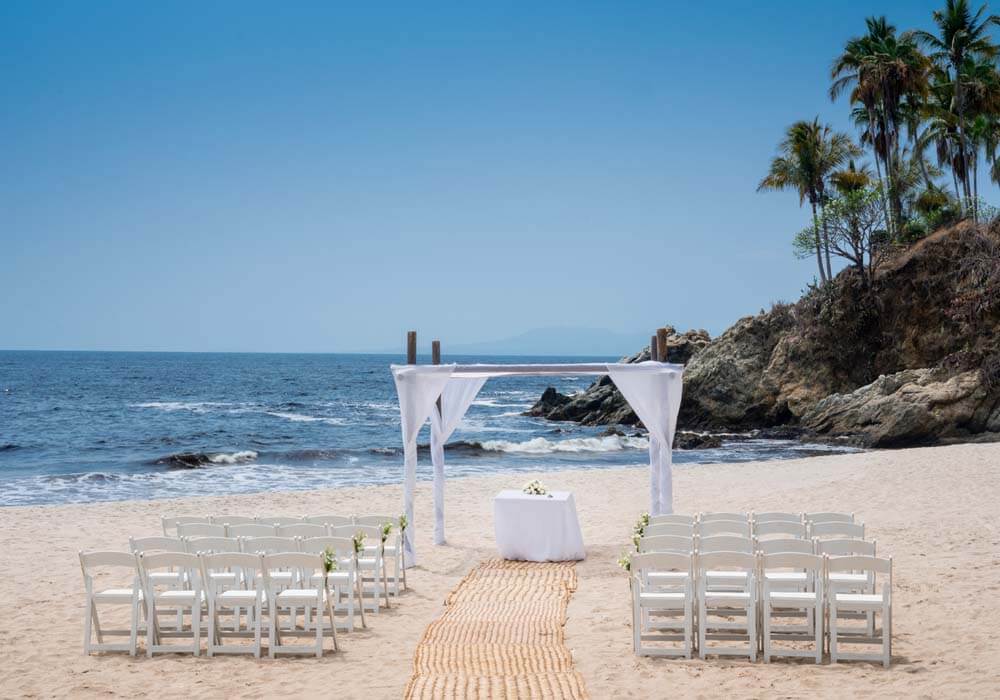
880, 604
232, 520
787, 545
200, 530
308, 592
277, 520
330, 520
343, 584
252, 530
675, 529
172, 598
837, 530
211, 545
156, 544
779, 528
725, 579
273, 545
301, 530
677, 518
658, 601
371, 565
233, 584
777, 516
728, 601
851, 581
666, 543
805, 600
712, 528
392, 546
130, 593
829, 517
170, 523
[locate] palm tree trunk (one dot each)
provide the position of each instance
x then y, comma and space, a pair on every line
826, 241
975, 187
819, 245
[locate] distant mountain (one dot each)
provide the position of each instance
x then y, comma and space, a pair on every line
556, 341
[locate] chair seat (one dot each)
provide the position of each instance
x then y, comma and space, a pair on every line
238, 597
856, 601
792, 597
181, 596
301, 596
787, 576
280, 576
115, 595
847, 577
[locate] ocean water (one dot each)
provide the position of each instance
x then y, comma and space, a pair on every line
99, 426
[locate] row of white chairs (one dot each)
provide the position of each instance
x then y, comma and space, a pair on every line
754, 528
762, 517
374, 583
673, 593
239, 584
299, 526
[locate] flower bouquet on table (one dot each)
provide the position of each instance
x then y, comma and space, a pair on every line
535, 488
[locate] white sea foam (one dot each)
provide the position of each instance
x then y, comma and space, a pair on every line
194, 406
233, 458
540, 445
302, 418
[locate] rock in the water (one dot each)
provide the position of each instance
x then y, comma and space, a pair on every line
696, 441
915, 406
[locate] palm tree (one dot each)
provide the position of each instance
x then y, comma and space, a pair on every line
886, 74
961, 34
808, 155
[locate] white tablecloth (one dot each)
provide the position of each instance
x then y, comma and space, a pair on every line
537, 528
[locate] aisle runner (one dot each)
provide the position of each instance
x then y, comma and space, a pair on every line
500, 636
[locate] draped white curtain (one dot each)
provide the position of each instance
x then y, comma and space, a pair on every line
653, 390
418, 387
458, 395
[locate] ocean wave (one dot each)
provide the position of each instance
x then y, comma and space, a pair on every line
303, 418
9, 447
540, 445
196, 460
193, 406
234, 457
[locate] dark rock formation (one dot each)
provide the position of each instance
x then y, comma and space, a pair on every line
696, 441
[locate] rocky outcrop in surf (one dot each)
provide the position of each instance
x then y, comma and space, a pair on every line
198, 460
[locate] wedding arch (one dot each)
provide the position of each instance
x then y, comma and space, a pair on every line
444, 392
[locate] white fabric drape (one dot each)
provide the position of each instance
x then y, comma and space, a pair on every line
418, 387
458, 395
653, 390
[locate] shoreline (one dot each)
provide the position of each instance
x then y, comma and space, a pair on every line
933, 509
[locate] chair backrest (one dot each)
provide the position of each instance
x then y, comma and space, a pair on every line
787, 544
810, 563
331, 520
846, 547
780, 528
232, 520
726, 560
118, 560
302, 530
156, 544
675, 529
724, 527
342, 547
252, 530
725, 543
248, 565
642, 564
279, 519
269, 545
672, 518
861, 564
212, 544
200, 530
172, 561
709, 517
777, 516
830, 517
836, 530
170, 523
667, 543
304, 563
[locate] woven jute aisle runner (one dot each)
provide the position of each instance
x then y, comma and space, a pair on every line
501, 636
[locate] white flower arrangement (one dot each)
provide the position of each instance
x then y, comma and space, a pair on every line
534, 488
329, 560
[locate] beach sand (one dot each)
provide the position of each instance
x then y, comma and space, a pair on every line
935, 510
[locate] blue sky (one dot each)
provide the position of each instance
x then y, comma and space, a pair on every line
323, 176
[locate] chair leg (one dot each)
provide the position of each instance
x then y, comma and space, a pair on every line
766, 629
833, 633
88, 625
886, 635
333, 624
636, 621
196, 627
688, 631
213, 629
752, 630
151, 628
818, 630
701, 627
133, 636
257, 615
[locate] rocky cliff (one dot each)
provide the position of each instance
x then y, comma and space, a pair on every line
912, 358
